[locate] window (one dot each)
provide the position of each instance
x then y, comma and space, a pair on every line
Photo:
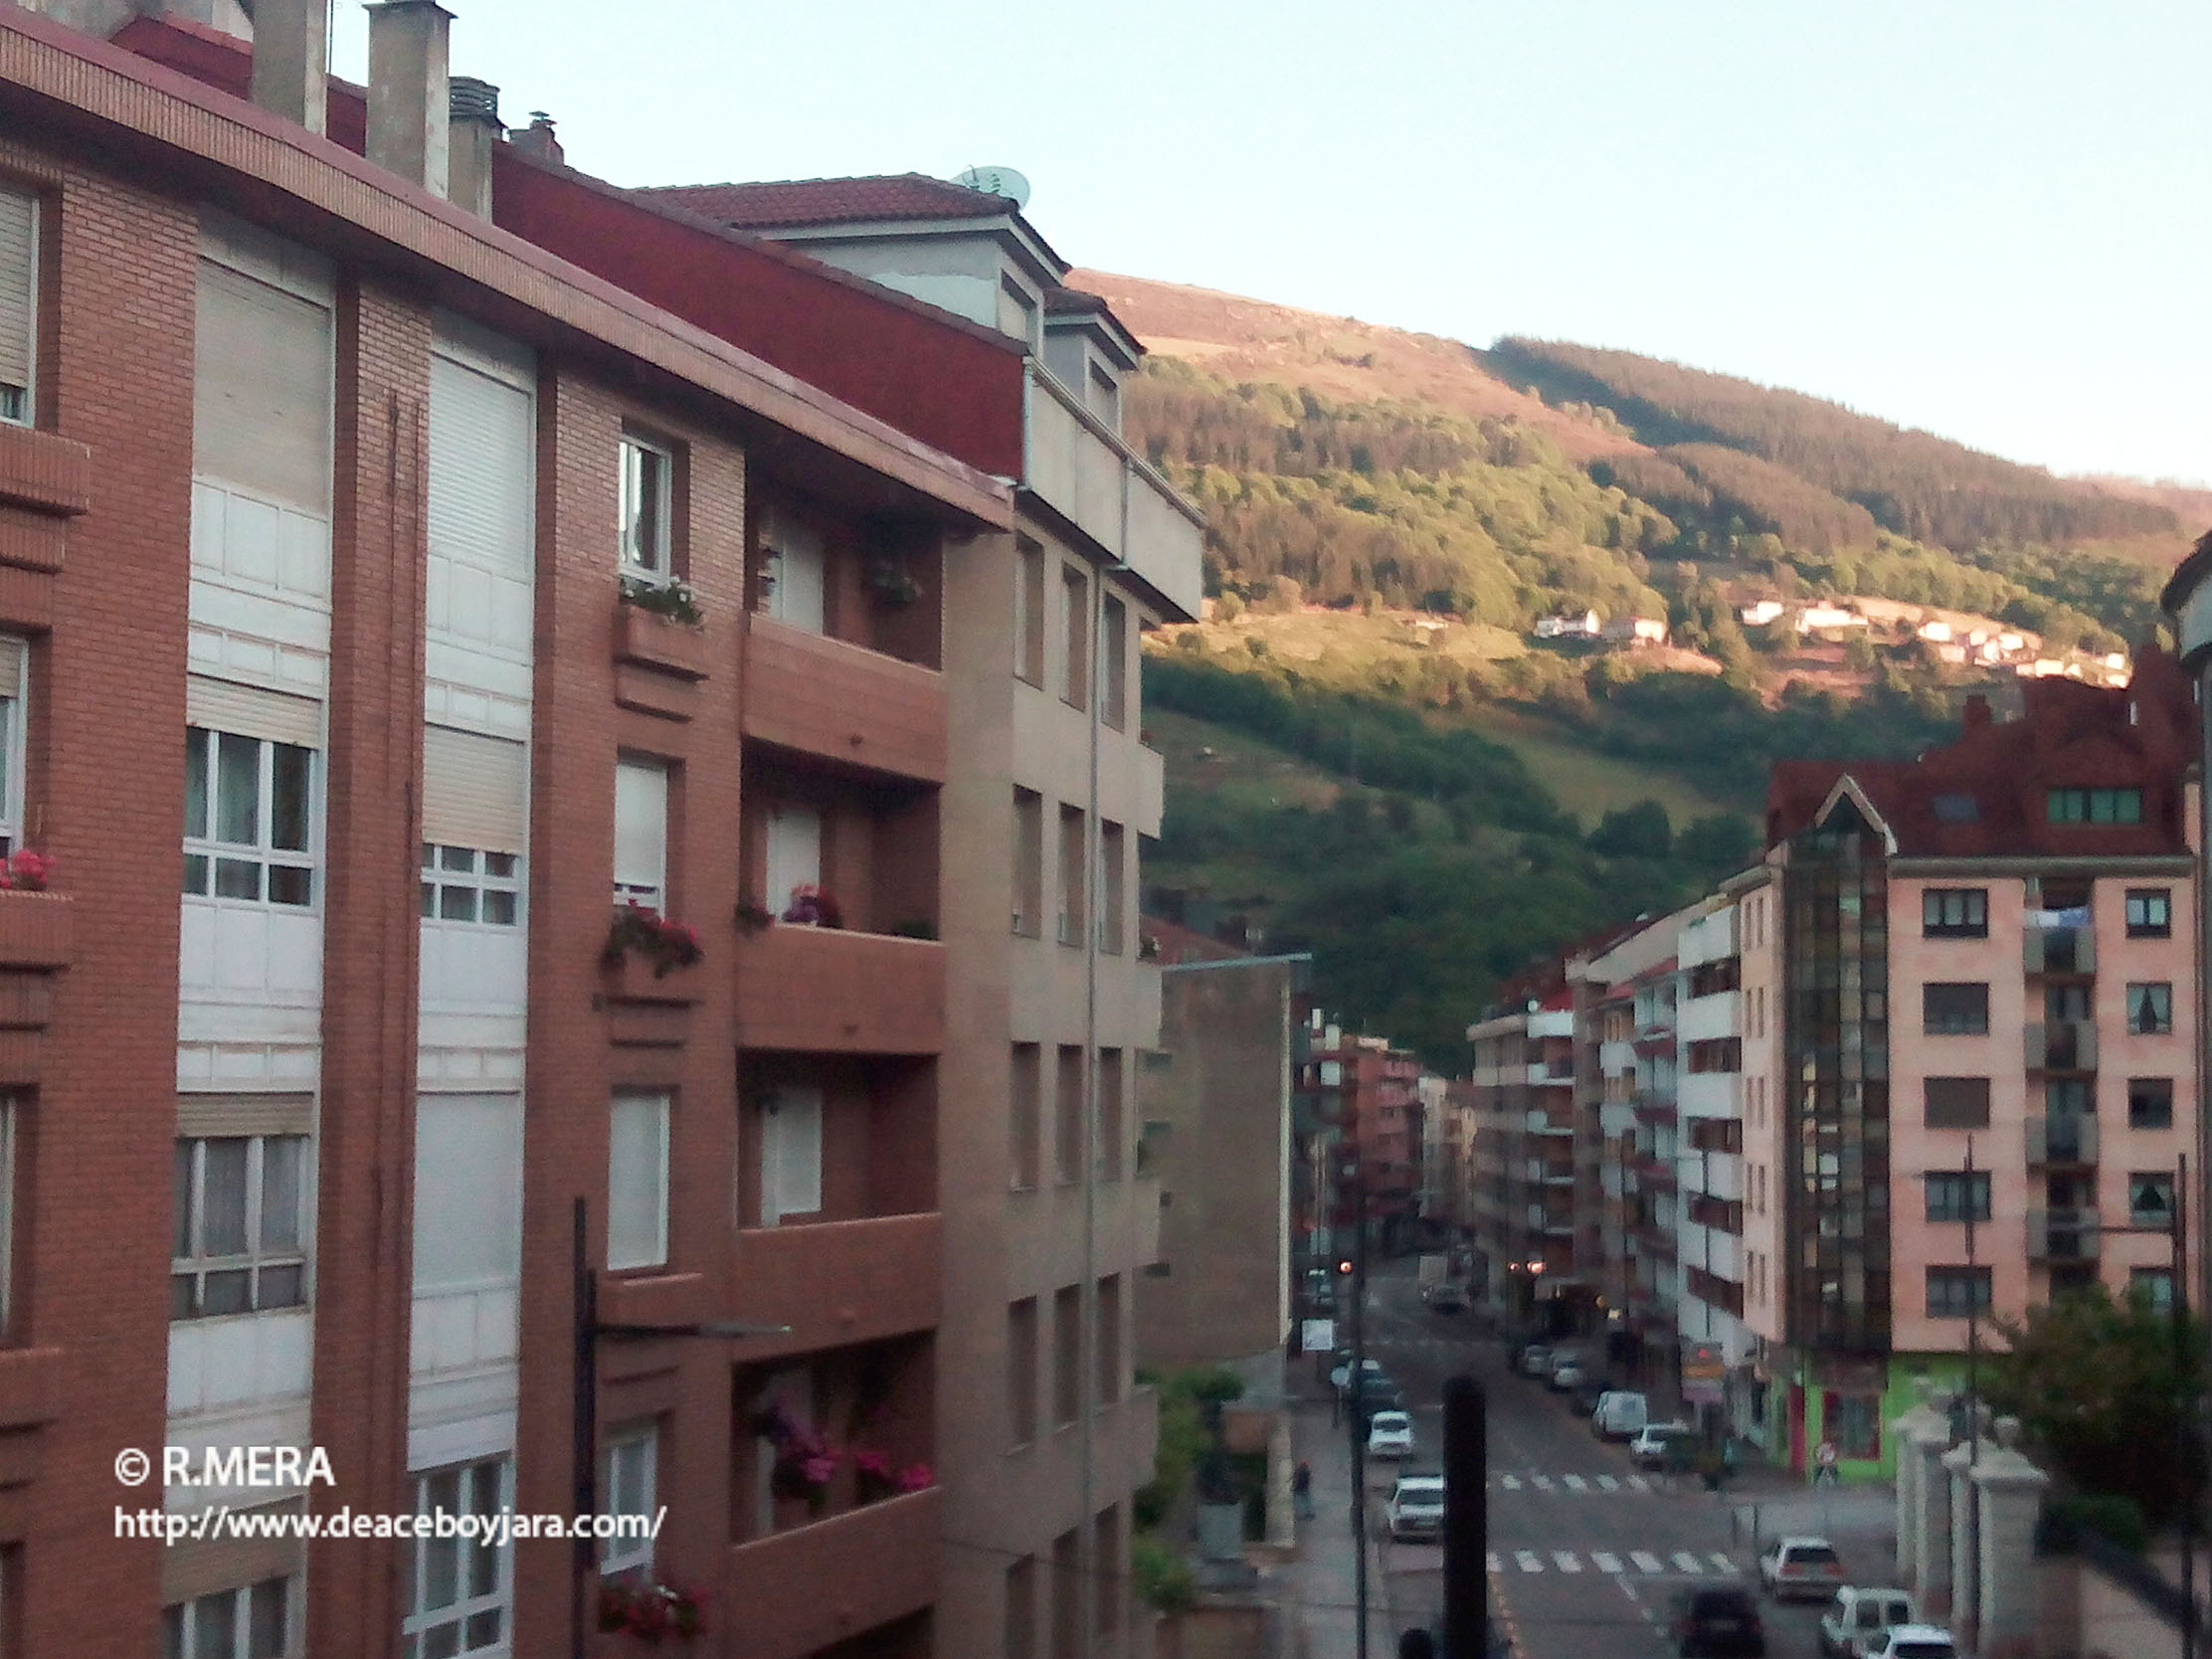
2095, 806
2150, 1010
1717, 1054
239, 1219
1954, 1195
1109, 1114
1026, 1115
248, 807
1114, 660
2150, 1201
463, 885
641, 834
1109, 1339
1956, 807
792, 855
2152, 1286
1072, 855
646, 505
1854, 1423
251, 1622
1068, 1115
1028, 862
1956, 1102
1075, 629
1957, 1292
1018, 311
1954, 913
629, 1479
790, 1151
2150, 1103
638, 1180
2149, 913
1113, 926
1106, 1571
1021, 1371
14, 672
1956, 1009
19, 286
1067, 1595
1029, 613
795, 576
1067, 1348
457, 1600
2065, 1096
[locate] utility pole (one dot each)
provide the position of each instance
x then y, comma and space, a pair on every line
1974, 1400
1466, 1520
1356, 1413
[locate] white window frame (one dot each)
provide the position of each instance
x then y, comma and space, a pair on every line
458, 876
784, 543
777, 1146
19, 404
180, 1623
467, 1554
197, 1264
658, 1102
631, 1462
14, 696
654, 564
262, 852
648, 889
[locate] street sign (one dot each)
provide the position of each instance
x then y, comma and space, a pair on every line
1704, 1375
1317, 1336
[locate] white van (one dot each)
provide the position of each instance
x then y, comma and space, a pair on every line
1620, 1415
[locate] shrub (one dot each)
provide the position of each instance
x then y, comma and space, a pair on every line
2117, 1518
1164, 1578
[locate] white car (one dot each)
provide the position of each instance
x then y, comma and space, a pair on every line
1567, 1375
1858, 1621
1795, 1567
1916, 1641
1535, 1361
1390, 1434
1658, 1444
1341, 1378
1415, 1510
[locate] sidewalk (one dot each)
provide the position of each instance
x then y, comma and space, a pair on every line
1317, 1587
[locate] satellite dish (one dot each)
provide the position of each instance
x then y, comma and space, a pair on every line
997, 181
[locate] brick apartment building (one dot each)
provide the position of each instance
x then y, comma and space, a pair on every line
377, 497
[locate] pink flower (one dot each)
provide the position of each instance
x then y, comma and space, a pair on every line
873, 1462
916, 1477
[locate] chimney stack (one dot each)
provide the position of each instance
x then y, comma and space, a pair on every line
408, 89
537, 139
291, 51
1978, 713
475, 128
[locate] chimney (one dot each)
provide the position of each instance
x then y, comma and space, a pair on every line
537, 139
475, 128
1978, 713
291, 48
408, 97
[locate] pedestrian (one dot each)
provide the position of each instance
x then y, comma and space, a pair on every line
1301, 1491
1824, 1464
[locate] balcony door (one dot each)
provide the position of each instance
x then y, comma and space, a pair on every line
790, 1151
799, 568
794, 850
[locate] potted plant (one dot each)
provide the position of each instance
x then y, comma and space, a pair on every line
875, 1476
652, 1612
670, 599
891, 584
665, 944
804, 1459
26, 871
752, 915
814, 906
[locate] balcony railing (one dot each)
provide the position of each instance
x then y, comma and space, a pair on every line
2059, 1140
843, 704
838, 1282
2059, 950
828, 990
2061, 1044
814, 1586
2062, 1235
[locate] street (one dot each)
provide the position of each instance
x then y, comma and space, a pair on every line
1585, 1551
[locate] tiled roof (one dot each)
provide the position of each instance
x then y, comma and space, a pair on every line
796, 202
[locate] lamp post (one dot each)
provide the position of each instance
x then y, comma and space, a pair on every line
588, 1329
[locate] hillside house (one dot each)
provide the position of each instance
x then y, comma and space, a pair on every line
1584, 627
1635, 630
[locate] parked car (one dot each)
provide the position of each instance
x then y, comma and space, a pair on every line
1663, 1446
1916, 1641
1621, 1414
1583, 1401
1536, 1360
1390, 1434
1340, 1372
1415, 1510
1379, 1394
1567, 1374
1797, 1568
1716, 1622
1858, 1621
1446, 1298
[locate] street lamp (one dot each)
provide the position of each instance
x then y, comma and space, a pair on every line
589, 1328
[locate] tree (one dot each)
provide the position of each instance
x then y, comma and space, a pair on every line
1719, 841
1639, 832
2106, 1387
1858, 651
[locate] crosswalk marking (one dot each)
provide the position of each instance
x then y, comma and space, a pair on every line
1604, 1562
1637, 1483
1492, 1563
1512, 1483
1687, 1562
1646, 1561
1607, 1483
1720, 1562
1568, 1560
1576, 1483
1528, 1561
1543, 1483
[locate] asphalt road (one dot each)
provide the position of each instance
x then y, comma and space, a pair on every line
1586, 1552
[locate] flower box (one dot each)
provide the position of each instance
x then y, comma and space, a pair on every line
661, 643
630, 980
37, 930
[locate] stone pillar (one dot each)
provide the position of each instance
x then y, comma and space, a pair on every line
1930, 1519
2011, 1497
1911, 1492
1960, 1464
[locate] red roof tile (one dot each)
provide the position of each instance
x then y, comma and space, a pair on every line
794, 202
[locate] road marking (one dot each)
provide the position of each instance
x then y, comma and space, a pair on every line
1543, 1483
1720, 1562
1607, 1483
1512, 1483
1567, 1559
1687, 1562
1528, 1561
1637, 1483
1604, 1562
1576, 1483
1646, 1561
1490, 1563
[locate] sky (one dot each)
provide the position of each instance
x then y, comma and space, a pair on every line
1988, 218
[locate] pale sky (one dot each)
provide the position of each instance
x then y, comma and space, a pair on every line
1989, 218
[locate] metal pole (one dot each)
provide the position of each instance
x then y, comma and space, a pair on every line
585, 1450
2186, 1358
1466, 1518
1357, 1414
1972, 1621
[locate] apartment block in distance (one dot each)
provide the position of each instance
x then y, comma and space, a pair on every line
448, 684
1981, 1006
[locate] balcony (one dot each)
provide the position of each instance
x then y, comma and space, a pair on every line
843, 703
839, 1282
2061, 1046
829, 991
2062, 1235
1145, 1198
2059, 950
803, 1590
2061, 1141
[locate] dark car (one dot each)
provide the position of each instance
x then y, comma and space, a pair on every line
1716, 1622
1585, 1396
1379, 1394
